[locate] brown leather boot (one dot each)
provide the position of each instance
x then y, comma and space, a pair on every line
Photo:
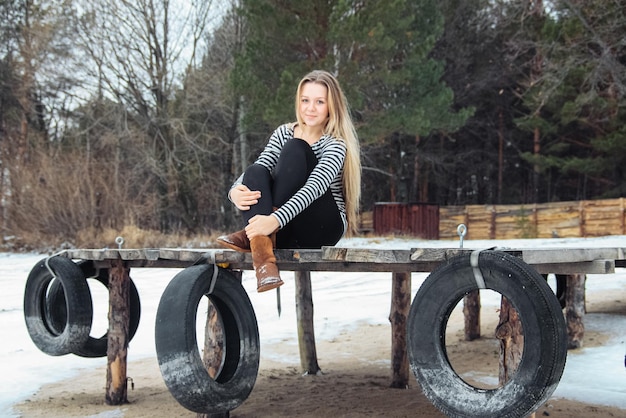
237, 241
264, 263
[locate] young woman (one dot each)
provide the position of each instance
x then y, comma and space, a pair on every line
304, 189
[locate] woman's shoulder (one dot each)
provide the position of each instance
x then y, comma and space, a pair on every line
332, 144
286, 128
330, 140
282, 133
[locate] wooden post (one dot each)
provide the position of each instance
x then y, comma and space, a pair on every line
304, 317
510, 333
471, 313
119, 314
213, 350
575, 309
400, 306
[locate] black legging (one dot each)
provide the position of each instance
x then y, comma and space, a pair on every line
319, 224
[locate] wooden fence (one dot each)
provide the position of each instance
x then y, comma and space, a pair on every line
589, 218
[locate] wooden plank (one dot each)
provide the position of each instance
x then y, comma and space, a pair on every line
436, 254
131, 254
188, 255
152, 254
545, 260
359, 255
92, 254
587, 267
570, 255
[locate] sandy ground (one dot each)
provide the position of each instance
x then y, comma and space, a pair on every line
354, 383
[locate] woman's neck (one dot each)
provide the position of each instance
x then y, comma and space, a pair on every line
307, 133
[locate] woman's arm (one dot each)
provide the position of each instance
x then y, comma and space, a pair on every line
327, 169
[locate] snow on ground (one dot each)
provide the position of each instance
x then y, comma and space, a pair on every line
342, 301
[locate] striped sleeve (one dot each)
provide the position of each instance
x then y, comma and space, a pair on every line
269, 156
331, 154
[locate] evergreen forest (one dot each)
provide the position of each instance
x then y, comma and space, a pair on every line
141, 113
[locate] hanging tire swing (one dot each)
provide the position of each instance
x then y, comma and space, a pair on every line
56, 310
49, 336
545, 341
176, 344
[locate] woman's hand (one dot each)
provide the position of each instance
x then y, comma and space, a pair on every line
243, 198
261, 225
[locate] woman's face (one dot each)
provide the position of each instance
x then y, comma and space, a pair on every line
314, 104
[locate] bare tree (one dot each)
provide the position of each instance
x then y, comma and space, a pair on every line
139, 52
36, 59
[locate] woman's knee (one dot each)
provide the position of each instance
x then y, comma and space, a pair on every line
298, 150
256, 170
256, 175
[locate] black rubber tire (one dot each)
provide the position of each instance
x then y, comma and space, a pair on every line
176, 345
545, 342
75, 332
56, 311
561, 287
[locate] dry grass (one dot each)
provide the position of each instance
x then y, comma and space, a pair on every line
133, 236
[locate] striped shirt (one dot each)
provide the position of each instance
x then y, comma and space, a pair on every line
330, 153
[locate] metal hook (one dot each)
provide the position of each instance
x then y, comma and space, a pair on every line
119, 241
462, 231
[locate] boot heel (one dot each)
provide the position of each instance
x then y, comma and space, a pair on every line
237, 241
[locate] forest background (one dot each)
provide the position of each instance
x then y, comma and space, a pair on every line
134, 117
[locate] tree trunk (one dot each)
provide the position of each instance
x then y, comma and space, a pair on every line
500, 155
536, 73
400, 306
119, 314
304, 316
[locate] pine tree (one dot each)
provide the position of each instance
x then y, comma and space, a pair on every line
580, 100
378, 50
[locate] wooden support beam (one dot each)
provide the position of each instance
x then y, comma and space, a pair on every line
117, 349
575, 309
471, 313
400, 306
213, 347
511, 335
304, 317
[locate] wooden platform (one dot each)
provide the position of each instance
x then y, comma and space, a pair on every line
545, 260
573, 262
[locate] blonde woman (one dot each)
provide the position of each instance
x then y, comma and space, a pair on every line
304, 189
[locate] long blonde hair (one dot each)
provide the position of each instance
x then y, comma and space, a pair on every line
340, 126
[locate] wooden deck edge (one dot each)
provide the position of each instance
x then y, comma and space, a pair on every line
545, 260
